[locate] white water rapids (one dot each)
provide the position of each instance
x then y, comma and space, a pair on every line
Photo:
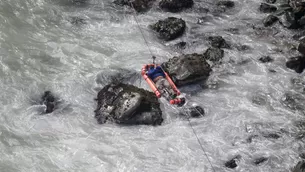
41, 49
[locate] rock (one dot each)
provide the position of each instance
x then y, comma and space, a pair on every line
270, 20
301, 46
260, 160
127, 104
196, 111
243, 47
227, 4
175, 5
288, 20
170, 28
302, 155
271, 135
265, 59
181, 45
232, 163
77, 21
214, 54
294, 101
139, 5
218, 42
296, 63
300, 36
49, 100
270, 1
300, 167
187, 69
267, 8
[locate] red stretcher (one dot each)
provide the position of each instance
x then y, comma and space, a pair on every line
152, 85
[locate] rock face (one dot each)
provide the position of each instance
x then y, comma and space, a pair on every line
170, 28
127, 104
300, 167
175, 5
139, 5
49, 100
187, 69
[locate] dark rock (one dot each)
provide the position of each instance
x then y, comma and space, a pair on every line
77, 21
265, 59
139, 5
301, 21
270, 20
302, 155
272, 71
170, 28
181, 45
299, 36
296, 63
250, 138
218, 42
243, 48
49, 100
187, 69
267, 8
270, 1
175, 5
196, 111
300, 167
294, 101
301, 46
232, 163
214, 54
260, 160
127, 104
227, 4
288, 20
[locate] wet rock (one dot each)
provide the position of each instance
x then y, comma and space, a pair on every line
139, 5
299, 36
181, 45
187, 69
270, 1
250, 138
270, 20
170, 28
296, 63
300, 167
265, 59
302, 155
301, 46
260, 160
214, 54
243, 48
288, 20
218, 42
196, 111
175, 5
49, 100
227, 4
267, 8
233, 162
294, 101
127, 104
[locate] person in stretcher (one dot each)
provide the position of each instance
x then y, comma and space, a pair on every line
161, 84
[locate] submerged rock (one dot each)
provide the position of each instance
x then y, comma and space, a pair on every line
296, 63
232, 163
218, 42
265, 59
227, 4
127, 104
270, 20
214, 54
170, 28
175, 5
139, 5
267, 8
301, 47
187, 69
260, 160
300, 167
49, 100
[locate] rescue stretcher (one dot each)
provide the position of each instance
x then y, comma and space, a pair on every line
153, 86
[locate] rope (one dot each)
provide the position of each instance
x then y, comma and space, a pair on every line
154, 57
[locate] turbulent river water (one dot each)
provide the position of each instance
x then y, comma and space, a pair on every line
72, 48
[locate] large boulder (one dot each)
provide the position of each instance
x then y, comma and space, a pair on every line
139, 5
175, 5
187, 68
127, 104
170, 28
